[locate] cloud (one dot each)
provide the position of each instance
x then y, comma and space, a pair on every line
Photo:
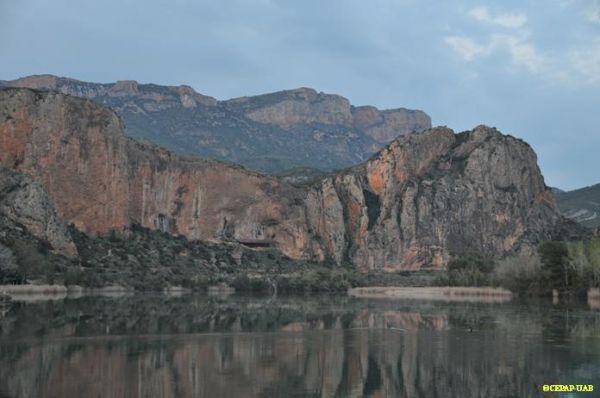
589, 8
521, 50
516, 43
586, 63
505, 20
466, 47
592, 11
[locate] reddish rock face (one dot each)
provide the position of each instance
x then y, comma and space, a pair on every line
75, 148
422, 199
208, 200
101, 181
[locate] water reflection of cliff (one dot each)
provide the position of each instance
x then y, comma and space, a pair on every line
259, 348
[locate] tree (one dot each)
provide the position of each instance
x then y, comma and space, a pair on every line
8, 265
555, 259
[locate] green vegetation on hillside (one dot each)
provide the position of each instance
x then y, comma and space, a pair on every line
144, 259
581, 205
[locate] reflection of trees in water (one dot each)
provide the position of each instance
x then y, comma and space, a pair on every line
331, 347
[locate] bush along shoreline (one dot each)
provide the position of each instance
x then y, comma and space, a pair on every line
568, 268
147, 260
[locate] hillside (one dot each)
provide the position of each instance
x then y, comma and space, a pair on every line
581, 205
268, 133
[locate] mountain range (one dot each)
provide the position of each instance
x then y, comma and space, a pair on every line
300, 135
422, 199
272, 133
581, 205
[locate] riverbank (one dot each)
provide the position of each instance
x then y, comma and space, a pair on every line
487, 294
35, 293
58, 292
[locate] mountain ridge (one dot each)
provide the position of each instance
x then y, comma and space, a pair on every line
416, 203
269, 133
581, 205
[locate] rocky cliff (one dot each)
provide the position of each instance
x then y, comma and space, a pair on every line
422, 199
269, 133
100, 181
24, 206
429, 196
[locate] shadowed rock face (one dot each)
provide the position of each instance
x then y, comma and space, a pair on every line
420, 200
24, 203
269, 133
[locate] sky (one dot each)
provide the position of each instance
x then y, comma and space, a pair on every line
531, 68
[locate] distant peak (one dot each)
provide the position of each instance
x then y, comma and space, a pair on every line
125, 86
485, 128
36, 81
190, 97
303, 91
42, 80
185, 89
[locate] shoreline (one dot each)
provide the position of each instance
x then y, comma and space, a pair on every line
29, 293
434, 293
59, 292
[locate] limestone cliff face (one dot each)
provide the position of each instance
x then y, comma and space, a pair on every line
307, 106
429, 196
101, 181
303, 105
75, 148
162, 97
26, 206
206, 200
419, 201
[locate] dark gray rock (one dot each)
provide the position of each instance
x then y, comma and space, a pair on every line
25, 203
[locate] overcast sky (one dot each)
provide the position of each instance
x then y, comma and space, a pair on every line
530, 67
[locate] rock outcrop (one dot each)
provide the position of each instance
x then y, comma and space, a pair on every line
421, 200
290, 108
268, 133
100, 181
25, 205
427, 197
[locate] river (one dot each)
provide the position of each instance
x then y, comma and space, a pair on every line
308, 346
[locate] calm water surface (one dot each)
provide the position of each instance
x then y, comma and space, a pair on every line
317, 346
